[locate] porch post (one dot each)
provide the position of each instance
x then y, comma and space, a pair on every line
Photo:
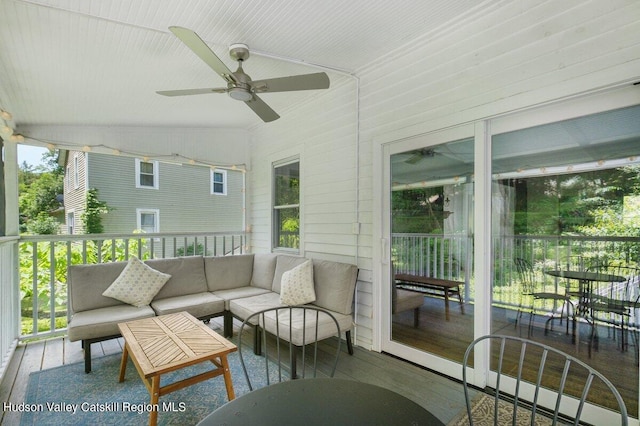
3, 204
10, 188
482, 248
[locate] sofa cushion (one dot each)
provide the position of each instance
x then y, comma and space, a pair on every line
88, 282
305, 334
335, 285
200, 305
226, 272
296, 287
237, 293
264, 266
405, 300
137, 284
187, 276
246, 306
103, 322
283, 264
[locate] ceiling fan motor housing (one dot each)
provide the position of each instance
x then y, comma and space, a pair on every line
239, 52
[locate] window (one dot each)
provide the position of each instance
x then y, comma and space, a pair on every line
76, 172
148, 220
70, 223
286, 205
146, 174
219, 182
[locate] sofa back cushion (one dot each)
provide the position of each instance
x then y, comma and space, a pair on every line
227, 272
284, 264
88, 282
264, 266
187, 276
335, 285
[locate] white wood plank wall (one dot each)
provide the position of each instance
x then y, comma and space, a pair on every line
520, 54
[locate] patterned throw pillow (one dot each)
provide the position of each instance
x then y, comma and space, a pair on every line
137, 284
297, 287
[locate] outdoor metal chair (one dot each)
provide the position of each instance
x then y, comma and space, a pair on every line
539, 365
295, 329
533, 291
615, 305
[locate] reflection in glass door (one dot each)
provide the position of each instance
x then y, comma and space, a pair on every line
431, 248
566, 201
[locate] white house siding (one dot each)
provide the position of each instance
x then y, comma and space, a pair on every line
521, 54
183, 198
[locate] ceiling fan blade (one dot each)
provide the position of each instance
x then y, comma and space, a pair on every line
200, 48
315, 81
414, 158
263, 110
185, 92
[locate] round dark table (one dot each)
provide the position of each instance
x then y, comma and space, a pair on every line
331, 402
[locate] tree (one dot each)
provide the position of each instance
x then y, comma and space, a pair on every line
92, 215
39, 190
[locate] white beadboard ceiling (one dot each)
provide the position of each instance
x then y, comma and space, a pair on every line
99, 62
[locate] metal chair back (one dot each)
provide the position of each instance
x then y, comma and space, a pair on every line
538, 364
292, 328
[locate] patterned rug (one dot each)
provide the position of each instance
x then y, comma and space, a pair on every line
67, 396
482, 409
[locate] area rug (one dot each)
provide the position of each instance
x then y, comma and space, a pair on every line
482, 409
67, 396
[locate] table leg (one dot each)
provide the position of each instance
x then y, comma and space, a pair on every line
446, 303
227, 377
123, 363
155, 396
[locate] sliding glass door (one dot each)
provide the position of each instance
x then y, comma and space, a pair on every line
430, 220
476, 218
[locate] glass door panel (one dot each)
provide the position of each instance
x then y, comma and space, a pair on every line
566, 210
431, 217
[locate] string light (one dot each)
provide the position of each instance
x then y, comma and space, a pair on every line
6, 115
7, 133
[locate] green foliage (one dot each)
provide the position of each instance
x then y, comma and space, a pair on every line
92, 215
38, 192
564, 204
43, 224
192, 249
35, 291
418, 211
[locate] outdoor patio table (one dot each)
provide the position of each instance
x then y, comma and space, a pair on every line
321, 401
585, 288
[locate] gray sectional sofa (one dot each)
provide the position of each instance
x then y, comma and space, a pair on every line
206, 287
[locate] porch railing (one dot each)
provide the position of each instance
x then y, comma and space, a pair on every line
44, 261
8, 299
450, 257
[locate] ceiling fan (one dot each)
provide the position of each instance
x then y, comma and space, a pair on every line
239, 85
419, 154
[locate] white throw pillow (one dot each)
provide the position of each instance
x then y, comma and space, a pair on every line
297, 287
137, 284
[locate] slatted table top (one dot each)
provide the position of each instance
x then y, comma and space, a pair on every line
170, 342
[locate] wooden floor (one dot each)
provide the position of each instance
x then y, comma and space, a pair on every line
441, 396
450, 339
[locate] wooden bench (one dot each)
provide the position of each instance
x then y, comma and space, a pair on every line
430, 285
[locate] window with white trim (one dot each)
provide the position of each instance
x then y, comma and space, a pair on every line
219, 182
286, 205
148, 220
146, 174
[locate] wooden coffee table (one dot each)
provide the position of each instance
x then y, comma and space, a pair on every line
170, 342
